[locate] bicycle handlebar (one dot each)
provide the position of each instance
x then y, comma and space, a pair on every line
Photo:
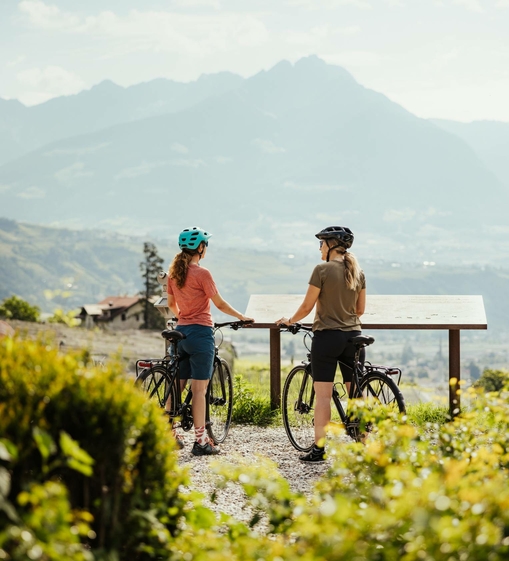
234, 324
295, 328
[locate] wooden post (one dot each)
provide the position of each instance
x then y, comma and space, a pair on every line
275, 368
454, 372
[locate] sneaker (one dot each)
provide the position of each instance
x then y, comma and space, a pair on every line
204, 449
315, 455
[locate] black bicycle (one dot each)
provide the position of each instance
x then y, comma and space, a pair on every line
160, 379
374, 384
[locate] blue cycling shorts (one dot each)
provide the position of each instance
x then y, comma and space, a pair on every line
196, 351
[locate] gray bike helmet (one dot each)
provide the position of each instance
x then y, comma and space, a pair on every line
191, 238
344, 236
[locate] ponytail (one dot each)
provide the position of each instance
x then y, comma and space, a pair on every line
179, 267
352, 271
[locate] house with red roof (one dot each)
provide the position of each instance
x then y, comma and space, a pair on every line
116, 312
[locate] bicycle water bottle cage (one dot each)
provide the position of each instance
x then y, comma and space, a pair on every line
361, 341
172, 335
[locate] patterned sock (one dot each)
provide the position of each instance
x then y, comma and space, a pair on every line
201, 435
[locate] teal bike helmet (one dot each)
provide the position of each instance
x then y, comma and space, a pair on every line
191, 238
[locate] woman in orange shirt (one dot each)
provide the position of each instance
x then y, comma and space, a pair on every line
190, 290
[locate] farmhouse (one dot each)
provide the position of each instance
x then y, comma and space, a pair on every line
117, 312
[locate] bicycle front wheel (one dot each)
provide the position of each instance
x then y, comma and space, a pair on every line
219, 402
297, 409
380, 390
155, 382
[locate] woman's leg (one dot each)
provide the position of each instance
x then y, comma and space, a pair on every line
323, 395
199, 389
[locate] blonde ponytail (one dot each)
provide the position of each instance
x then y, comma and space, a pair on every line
352, 271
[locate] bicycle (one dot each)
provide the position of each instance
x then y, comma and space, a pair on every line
375, 384
160, 379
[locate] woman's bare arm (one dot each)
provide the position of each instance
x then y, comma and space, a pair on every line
305, 308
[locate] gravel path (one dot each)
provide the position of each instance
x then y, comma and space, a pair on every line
246, 444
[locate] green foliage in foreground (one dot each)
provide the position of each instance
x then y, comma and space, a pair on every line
87, 468
439, 493
15, 307
433, 492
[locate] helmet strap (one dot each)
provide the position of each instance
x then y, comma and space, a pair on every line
331, 249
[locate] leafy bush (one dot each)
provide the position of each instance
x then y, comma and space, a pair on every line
434, 495
492, 380
85, 435
17, 308
67, 318
249, 408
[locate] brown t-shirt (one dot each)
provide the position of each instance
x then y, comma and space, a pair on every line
335, 308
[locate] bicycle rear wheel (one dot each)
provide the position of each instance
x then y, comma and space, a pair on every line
219, 402
155, 382
297, 408
379, 390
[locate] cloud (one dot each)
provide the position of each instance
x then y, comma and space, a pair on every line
471, 5
70, 173
502, 4
49, 82
179, 148
329, 4
267, 146
155, 31
43, 16
324, 187
18, 60
76, 151
143, 169
32, 193
320, 33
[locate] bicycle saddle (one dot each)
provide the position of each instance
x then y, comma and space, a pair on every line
169, 334
361, 341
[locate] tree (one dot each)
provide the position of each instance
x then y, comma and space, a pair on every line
17, 308
492, 380
150, 268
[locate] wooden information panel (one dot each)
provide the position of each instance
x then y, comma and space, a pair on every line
382, 312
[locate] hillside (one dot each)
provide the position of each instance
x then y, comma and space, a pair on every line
263, 161
92, 265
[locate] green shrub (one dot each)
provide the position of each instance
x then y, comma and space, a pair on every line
17, 308
492, 380
408, 494
249, 408
58, 412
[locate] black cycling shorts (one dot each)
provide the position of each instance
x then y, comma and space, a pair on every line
330, 347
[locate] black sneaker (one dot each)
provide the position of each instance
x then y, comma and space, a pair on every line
315, 455
204, 449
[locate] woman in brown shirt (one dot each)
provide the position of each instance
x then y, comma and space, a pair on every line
338, 288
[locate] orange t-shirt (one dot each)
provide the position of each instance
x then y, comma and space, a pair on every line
193, 299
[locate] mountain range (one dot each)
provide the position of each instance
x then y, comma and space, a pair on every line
263, 162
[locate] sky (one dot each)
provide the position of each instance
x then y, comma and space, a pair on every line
444, 59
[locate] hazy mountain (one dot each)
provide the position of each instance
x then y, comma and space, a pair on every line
92, 265
23, 129
264, 162
489, 139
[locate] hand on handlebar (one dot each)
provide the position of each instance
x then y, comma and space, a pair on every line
283, 321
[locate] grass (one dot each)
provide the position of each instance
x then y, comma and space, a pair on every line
252, 399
